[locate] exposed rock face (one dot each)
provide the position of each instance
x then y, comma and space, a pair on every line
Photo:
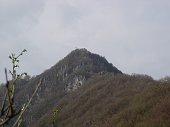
75, 83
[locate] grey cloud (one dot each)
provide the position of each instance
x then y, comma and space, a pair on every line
133, 35
18, 16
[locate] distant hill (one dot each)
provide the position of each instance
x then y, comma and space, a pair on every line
89, 91
66, 76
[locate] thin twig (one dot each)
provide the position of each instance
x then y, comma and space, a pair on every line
27, 105
3, 105
9, 94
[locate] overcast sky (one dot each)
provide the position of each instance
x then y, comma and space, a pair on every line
134, 35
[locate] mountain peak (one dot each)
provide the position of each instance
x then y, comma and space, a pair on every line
84, 50
68, 75
79, 65
81, 51
76, 68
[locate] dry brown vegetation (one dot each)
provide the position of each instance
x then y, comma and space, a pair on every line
115, 101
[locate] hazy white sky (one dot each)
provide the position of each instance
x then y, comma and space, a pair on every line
134, 35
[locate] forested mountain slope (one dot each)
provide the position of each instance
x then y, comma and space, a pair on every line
90, 92
114, 101
66, 76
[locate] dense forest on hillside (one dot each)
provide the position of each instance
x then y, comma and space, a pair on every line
115, 101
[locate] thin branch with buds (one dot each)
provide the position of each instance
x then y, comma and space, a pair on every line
8, 110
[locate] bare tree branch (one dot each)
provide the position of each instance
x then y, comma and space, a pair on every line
27, 105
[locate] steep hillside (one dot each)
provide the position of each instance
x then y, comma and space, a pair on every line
63, 78
114, 101
90, 92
